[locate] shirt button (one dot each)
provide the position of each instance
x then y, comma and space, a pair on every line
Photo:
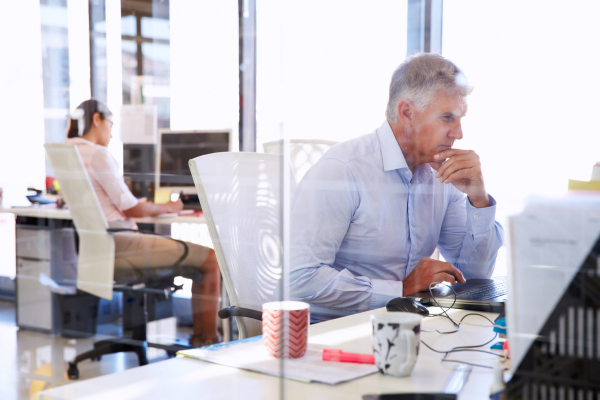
406, 172
476, 216
475, 251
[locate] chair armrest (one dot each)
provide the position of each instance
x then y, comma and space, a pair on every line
234, 311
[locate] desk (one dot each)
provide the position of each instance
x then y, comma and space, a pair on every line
55, 213
46, 244
183, 378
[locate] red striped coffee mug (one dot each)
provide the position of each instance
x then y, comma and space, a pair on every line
285, 328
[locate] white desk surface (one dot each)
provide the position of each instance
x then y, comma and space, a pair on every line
183, 378
53, 212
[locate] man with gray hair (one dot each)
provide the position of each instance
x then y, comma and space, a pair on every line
367, 216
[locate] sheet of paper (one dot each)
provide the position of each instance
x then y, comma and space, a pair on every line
250, 354
167, 215
55, 287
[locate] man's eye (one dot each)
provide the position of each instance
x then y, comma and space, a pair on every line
448, 117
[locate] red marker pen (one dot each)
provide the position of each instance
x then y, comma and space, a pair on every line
340, 356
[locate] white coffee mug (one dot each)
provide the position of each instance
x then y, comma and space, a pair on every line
396, 342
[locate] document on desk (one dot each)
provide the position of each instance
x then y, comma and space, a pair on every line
250, 354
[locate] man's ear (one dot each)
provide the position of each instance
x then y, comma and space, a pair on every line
405, 112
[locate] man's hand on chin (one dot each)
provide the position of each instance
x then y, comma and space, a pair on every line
462, 168
427, 271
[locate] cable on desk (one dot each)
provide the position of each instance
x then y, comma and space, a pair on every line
467, 348
445, 314
438, 304
457, 349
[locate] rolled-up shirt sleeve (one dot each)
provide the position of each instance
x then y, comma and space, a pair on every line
107, 174
323, 208
470, 237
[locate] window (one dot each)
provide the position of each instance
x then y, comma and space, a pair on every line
532, 114
324, 67
146, 60
55, 70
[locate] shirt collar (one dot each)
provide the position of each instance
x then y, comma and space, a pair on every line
390, 149
392, 154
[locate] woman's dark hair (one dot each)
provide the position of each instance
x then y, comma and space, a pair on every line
82, 117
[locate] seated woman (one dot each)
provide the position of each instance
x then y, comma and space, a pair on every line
146, 256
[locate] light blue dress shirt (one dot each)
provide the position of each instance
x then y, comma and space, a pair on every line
361, 221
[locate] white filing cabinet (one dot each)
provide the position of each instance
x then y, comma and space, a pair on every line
34, 300
48, 247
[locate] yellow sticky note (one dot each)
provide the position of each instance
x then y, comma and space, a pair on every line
162, 196
584, 185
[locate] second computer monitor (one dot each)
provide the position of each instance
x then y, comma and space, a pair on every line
176, 148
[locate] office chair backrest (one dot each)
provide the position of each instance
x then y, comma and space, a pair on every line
95, 268
241, 196
304, 153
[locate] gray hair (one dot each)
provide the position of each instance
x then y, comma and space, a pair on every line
420, 77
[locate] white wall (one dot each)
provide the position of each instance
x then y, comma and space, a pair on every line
533, 116
205, 65
21, 100
324, 67
7, 247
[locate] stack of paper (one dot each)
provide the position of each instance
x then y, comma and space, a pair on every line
250, 354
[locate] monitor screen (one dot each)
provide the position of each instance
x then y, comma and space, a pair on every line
176, 149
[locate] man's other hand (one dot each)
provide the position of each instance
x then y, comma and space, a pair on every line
174, 206
427, 271
462, 168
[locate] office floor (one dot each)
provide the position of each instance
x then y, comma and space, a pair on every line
33, 361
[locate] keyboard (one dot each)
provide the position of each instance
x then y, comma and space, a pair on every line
485, 292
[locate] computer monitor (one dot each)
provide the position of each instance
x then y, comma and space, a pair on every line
176, 148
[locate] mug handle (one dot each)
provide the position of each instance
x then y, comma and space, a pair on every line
411, 356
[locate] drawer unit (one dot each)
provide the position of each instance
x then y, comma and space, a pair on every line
35, 305
34, 300
33, 243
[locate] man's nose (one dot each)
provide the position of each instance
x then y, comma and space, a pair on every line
456, 133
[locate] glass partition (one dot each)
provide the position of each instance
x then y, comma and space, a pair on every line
518, 75
199, 198
531, 119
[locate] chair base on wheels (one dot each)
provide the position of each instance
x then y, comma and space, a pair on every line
118, 345
138, 300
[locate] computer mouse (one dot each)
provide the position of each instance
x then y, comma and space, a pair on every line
404, 304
